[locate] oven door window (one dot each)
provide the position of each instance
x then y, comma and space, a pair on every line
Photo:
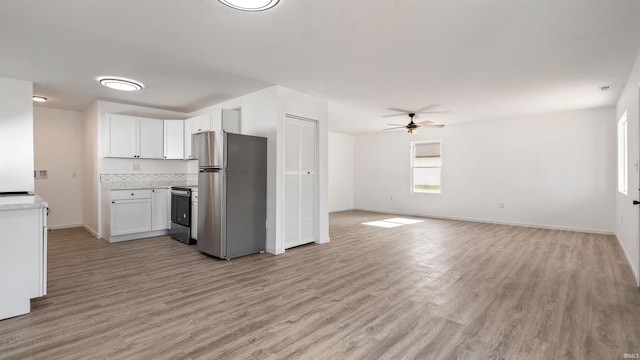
181, 210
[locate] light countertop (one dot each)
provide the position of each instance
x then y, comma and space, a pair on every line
142, 185
22, 202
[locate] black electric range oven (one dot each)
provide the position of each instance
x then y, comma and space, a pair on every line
181, 214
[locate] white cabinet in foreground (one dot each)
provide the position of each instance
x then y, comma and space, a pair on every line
23, 257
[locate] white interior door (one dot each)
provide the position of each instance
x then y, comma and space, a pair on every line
300, 151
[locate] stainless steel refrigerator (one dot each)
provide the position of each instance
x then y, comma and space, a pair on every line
232, 190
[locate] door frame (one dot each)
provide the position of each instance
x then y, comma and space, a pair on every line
316, 192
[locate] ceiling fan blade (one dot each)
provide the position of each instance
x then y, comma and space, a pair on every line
400, 110
397, 125
433, 125
424, 108
432, 112
394, 115
393, 128
425, 122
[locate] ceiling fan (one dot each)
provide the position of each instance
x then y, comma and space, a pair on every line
413, 126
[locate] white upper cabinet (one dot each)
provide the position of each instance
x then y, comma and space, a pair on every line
174, 139
151, 138
122, 132
227, 120
195, 125
134, 137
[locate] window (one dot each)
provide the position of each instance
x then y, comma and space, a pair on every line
623, 164
426, 165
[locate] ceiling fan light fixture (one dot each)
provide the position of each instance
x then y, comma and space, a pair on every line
40, 99
250, 5
120, 83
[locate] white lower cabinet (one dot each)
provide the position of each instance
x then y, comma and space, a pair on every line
130, 211
160, 209
23, 258
194, 215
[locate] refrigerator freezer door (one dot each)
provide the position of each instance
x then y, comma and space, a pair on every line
211, 212
209, 148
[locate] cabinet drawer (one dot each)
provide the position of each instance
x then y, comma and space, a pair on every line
130, 194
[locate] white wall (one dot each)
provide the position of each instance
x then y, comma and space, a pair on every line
340, 172
58, 149
90, 178
555, 171
16, 135
627, 227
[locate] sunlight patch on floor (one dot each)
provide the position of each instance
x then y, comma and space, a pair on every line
393, 222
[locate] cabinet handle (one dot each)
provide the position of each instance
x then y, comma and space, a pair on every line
113, 202
131, 194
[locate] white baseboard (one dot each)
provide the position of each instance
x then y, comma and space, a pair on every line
273, 251
499, 222
634, 271
136, 236
323, 240
95, 234
340, 209
63, 226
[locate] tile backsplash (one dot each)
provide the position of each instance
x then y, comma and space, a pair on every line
115, 181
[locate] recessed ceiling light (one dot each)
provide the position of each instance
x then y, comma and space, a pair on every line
605, 88
40, 99
250, 5
121, 84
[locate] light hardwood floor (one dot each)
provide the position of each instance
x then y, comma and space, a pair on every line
434, 290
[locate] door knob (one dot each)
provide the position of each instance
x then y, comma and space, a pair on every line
636, 202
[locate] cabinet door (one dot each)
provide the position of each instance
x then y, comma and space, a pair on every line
174, 139
122, 136
201, 123
194, 125
151, 138
194, 220
188, 130
130, 216
160, 216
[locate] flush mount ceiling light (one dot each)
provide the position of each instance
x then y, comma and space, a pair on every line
121, 84
250, 5
40, 99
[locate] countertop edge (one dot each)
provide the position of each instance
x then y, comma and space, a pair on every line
22, 202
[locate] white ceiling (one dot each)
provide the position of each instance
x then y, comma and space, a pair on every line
480, 59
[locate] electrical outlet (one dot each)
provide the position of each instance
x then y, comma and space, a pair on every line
74, 175
501, 205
